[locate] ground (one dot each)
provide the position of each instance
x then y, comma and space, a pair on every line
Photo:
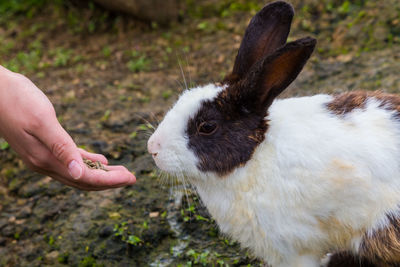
110, 77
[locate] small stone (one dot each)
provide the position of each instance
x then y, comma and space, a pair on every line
154, 214
70, 94
106, 231
8, 231
106, 202
345, 58
19, 222
21, 201
114, 215
81, 227
25, 212
3, 222
52, 255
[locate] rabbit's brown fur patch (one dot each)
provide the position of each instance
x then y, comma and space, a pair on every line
379, 249
347, 259
338, 232
383, 246
347, 102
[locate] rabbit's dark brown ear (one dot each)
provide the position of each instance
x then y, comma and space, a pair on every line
267, 31
270, 76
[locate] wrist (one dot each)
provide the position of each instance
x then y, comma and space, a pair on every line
8, 85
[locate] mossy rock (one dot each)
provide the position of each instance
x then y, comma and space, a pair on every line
161, 11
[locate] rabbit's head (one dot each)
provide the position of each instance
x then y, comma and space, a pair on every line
215, 129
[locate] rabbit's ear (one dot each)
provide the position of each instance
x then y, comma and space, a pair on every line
267, 31
270, 76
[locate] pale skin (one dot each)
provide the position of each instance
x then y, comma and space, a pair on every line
29, 124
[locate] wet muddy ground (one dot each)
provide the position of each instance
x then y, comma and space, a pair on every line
110, 78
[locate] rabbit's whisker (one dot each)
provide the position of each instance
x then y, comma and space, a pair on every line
183, 74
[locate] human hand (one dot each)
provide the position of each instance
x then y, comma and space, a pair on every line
29, 124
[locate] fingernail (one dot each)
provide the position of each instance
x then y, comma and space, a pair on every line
75, 170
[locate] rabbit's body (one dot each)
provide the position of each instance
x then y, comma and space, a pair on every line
290, 179
319, 182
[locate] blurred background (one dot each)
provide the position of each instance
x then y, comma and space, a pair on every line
111, 69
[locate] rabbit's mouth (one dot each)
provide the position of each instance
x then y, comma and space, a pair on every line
161, 162
168, 161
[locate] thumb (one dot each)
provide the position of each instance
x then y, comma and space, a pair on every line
61, 145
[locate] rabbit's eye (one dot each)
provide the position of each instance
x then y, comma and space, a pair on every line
207, 127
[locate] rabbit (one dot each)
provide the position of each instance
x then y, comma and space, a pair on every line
290, 179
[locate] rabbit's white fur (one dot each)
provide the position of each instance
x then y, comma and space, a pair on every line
318, 182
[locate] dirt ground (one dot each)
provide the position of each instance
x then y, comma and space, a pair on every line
110, 77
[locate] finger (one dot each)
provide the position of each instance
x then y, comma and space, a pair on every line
93, 156
79, 184
72, 183
91, 177
115, 167
40, 159
115, 176
61, 145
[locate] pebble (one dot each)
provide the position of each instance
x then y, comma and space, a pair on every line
106, 231
8, 231
154, 214
25, 212
52, 255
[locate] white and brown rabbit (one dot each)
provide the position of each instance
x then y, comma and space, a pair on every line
291, 179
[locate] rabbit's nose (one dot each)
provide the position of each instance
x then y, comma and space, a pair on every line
153, 146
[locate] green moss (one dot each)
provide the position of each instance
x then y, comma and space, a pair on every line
106, 115
106, 51
134, 240
167, 94
24, 8
61, 56
17, 236
51, 241
63, 258
14, 183
138, 62
88, 261
4, 145
25, 61
344, 8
